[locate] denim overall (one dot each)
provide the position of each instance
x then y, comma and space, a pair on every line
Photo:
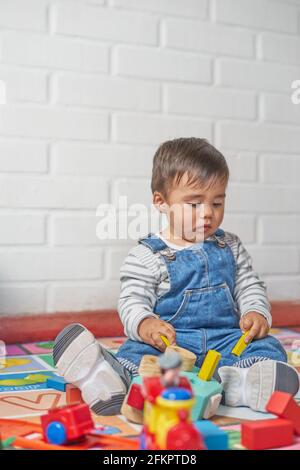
200, 305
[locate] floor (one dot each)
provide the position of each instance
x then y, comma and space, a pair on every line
24, 394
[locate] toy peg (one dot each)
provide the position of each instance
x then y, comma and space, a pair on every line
165, 340
240, 345
209, 365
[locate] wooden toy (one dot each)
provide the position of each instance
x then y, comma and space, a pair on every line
149, 366
165, 340
214, 437
57, 382
73, 395
188, 358
283, 405
266, 434
209, 365
240, 345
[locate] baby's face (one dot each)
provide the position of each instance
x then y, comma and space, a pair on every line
196, 212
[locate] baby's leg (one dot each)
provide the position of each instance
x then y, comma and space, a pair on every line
250, 380
82, 361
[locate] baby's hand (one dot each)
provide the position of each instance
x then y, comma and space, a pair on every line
151, 329
256, 324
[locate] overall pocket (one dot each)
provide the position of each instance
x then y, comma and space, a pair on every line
208, 307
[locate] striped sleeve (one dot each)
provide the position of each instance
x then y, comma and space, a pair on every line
250, 291
140, 276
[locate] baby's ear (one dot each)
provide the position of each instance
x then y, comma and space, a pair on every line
162, 207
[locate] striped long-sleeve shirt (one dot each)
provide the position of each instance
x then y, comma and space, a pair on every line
144, 277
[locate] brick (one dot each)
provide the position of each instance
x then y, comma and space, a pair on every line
266, 434
59, 192
207, 38
13, 159
162, 64
46, 122
80, 229
22, 229
284, 406
275, 260
108, 92
194, 8
284, 287
258, 14
156, 129
242, 165
282, 169
83, 295
31, 15
210, 102
103, 160
259, 199
280, 109
255, 75
280, 48
243, 225
53, 52
22, 299
137, 191
95, 22
51, 264
283, 229
24, 85
258, 137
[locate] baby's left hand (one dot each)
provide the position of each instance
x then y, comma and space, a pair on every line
256, 324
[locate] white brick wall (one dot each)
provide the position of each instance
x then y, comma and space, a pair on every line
93, 87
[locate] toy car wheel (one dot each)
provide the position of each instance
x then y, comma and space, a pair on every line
56, 433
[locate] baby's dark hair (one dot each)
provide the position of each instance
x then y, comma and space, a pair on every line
202, 162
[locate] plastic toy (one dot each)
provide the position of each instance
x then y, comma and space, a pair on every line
21, 429
68, 424
214, 437
283, 405
209, 365
260, 435
240, 345
57, 382
167, 418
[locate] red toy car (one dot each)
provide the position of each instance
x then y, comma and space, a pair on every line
67, 424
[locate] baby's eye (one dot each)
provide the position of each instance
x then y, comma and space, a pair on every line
194, 204
217, 204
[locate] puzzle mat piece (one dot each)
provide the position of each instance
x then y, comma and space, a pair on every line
24, 382
15, 350
43, 347
21, 404
13, 364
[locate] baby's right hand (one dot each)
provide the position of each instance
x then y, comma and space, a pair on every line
151, 329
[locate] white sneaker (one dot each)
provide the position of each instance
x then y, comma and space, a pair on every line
253, 386
82, 361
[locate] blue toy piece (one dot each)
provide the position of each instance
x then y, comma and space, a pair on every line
214, 437
56, 382
56, 433
208, 395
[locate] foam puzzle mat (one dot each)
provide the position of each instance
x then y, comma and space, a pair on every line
24, 394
